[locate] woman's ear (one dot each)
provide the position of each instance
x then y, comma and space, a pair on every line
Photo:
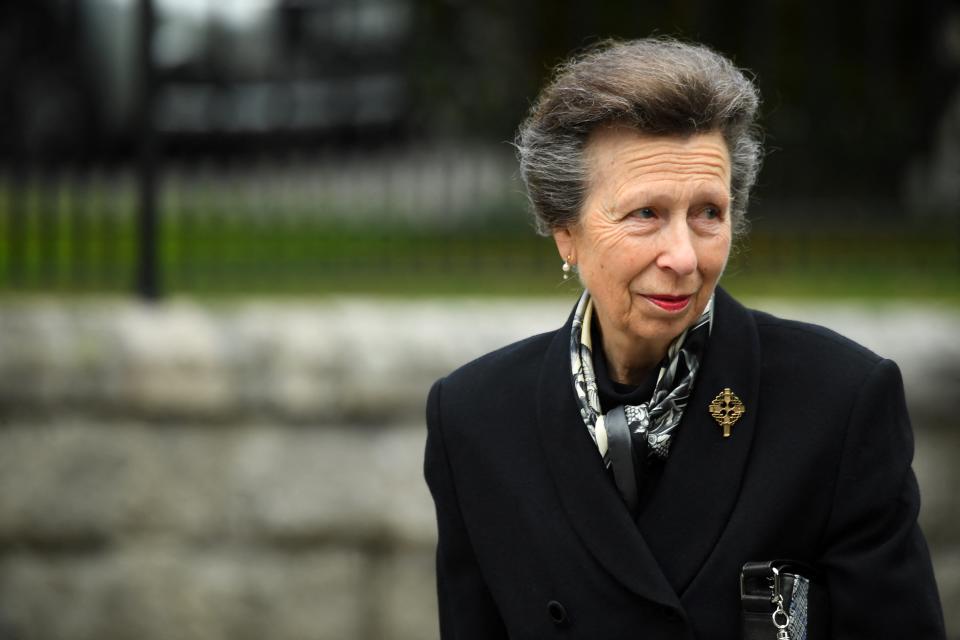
565, 245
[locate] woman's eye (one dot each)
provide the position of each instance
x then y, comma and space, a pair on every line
644, 213
711, 213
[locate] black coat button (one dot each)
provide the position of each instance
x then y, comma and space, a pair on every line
557, 613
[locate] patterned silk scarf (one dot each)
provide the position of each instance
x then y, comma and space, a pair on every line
636, 431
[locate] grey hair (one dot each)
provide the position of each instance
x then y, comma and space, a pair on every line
659, 86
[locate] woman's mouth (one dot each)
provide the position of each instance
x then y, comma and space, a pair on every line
669, 303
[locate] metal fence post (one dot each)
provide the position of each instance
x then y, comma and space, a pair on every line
147, 276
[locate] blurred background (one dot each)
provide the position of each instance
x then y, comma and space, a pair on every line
239, 239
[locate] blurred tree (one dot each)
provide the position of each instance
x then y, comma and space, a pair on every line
46, 106
853, 90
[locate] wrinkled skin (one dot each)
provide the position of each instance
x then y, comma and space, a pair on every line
652, 239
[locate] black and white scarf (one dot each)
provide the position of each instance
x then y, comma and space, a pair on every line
636, 430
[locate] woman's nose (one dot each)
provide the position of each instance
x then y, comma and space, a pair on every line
677, 253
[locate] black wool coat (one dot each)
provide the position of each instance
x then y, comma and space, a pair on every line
535, 541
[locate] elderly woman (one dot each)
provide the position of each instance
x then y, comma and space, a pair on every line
612, 478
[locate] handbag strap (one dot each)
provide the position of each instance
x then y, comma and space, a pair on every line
620, 449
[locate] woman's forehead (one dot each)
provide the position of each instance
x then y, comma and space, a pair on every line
623, 154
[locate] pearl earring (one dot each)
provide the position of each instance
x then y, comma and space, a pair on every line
566, 268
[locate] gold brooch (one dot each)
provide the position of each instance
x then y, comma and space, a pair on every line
726, 409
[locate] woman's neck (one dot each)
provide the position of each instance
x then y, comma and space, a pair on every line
630, 361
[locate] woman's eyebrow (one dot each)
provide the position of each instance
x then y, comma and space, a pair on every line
633, 197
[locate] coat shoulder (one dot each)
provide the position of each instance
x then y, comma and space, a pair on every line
503, 380
800, 344
494, 372
489, 399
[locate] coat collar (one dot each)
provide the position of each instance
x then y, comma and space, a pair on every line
658, 556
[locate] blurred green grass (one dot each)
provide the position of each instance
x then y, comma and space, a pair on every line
221, 256
215, 243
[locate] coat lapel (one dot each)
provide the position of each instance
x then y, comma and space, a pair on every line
591, 501
692, 503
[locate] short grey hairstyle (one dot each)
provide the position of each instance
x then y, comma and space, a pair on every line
659, 86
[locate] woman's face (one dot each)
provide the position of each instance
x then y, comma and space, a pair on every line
653, 236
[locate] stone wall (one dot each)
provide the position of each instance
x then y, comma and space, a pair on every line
254, 470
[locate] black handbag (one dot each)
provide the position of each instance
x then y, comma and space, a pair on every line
783, 600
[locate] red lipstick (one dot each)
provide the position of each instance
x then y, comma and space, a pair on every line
670, 303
